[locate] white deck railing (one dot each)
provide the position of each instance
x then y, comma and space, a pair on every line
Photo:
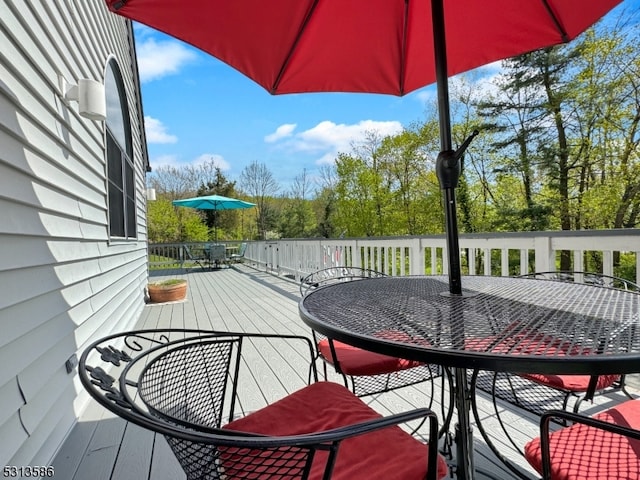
509, 253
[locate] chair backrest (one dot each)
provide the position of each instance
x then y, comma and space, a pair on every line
150, 361
217, 252
171, 384
196, 253
332, 275
187, 251
242, 249
590, 278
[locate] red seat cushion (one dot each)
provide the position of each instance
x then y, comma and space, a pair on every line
572, 383
356, 361
580, 452
523, 342
390, 454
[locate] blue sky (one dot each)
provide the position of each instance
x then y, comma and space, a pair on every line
198, 108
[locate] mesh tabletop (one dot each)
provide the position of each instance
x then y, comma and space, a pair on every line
499, 323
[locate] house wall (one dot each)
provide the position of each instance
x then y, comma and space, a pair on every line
62, 281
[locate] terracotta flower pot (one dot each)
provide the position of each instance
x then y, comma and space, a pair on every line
167, 291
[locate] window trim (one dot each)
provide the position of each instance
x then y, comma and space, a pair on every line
127, 210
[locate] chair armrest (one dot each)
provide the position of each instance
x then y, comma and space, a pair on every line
336, 434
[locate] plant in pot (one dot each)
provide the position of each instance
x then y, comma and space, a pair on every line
167, 290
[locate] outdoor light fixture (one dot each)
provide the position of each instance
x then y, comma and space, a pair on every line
90, 96
151, 194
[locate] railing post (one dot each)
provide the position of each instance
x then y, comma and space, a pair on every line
487, 261
357, 255
545, 256
607, 262
471, 260
524, 261
416, 258
504, 261
578, 261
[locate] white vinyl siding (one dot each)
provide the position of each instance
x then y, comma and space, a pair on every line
62, 281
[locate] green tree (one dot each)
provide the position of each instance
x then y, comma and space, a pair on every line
225, 221
297, 218
406, 159
169, 224
259, 183
324, 203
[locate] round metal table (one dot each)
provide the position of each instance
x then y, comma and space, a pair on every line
499, 323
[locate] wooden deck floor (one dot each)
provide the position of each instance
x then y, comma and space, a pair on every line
104, 447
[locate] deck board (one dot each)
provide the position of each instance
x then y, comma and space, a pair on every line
246, 300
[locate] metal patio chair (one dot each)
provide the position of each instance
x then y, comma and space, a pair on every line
604, 446
239, 256
197, 256
198, 389
217, 255
368, 373
539, 392
363, 372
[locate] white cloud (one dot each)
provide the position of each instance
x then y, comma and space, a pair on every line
481, 78
157, 132
283, 131
327, 138
164, 161
218, 161
157, 59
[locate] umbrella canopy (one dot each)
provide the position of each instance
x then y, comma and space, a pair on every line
213, 202
375, 46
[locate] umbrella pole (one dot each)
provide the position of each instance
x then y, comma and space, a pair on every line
215, 225
447, 167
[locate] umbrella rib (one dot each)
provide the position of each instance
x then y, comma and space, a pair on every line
287, 59
403, 54
556, 21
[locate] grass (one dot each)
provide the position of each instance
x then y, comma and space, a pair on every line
169, 283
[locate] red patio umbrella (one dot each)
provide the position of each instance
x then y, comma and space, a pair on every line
373, 46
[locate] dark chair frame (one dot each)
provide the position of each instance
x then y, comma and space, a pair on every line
564, 417
147, 378
534, 396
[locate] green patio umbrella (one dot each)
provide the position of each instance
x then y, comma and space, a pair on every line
213, 202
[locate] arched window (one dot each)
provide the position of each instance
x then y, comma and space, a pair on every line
120, 172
